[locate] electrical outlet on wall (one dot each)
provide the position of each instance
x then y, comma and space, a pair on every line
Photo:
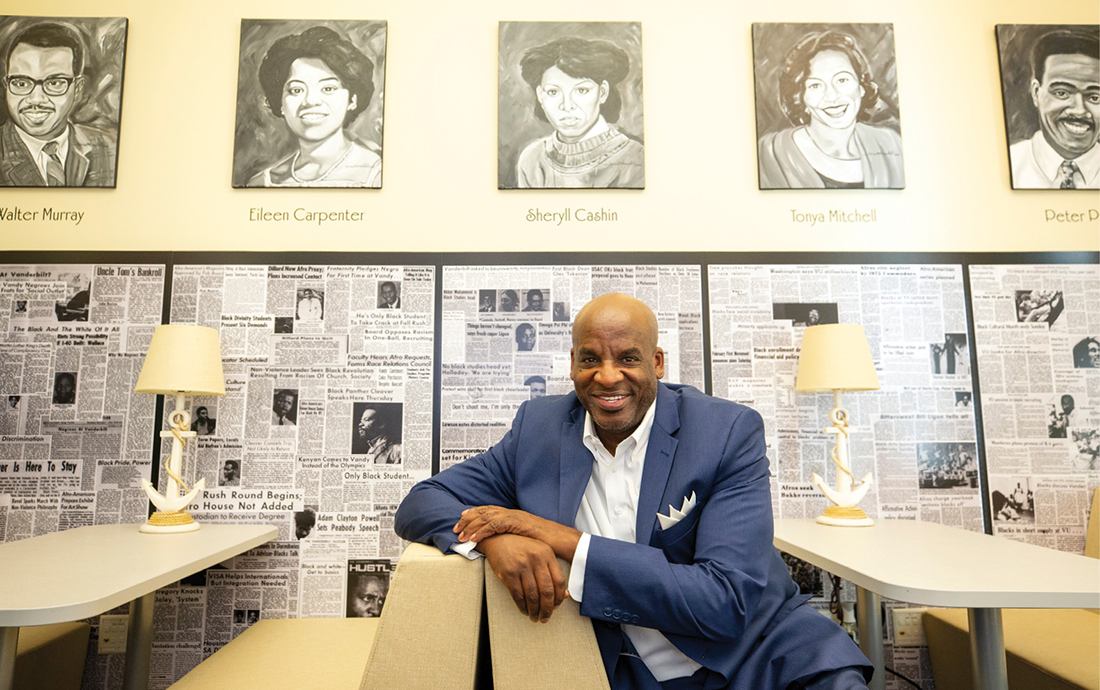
908, 628
112, 634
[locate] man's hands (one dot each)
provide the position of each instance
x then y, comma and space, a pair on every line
523, 550
530, 571
477, 524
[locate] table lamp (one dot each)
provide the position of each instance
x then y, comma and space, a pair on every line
182, 360
835, 358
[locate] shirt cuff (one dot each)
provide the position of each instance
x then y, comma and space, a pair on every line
466, 548
576, 570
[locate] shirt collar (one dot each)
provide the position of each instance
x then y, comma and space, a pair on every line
35, 146
1050, 160
592, 439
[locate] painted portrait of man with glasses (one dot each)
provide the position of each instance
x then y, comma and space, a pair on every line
63, 91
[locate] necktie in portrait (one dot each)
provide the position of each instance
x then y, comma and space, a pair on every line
1066, 172
55, 171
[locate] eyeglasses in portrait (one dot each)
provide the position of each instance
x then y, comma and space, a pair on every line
570, 106
1050, 81
827, 113
309, 104
63, 96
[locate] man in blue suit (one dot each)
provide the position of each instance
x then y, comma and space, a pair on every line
658, 496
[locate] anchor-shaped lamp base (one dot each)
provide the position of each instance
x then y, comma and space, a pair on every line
171, 514
844, 512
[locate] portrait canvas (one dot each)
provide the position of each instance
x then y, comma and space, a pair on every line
827, 113
1050, 83
309, 103
63, 100
570, 106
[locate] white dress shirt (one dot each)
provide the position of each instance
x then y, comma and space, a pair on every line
609, 508
35, 146
1035, 165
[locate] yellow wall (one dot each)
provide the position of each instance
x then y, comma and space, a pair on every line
440, 137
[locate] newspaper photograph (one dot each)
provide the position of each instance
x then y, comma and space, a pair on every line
507, 332
1037, 329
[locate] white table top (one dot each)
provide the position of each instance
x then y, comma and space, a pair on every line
85, 571
928, 563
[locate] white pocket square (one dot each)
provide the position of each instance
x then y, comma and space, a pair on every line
674, 515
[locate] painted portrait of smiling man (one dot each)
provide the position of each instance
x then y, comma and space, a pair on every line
570, 110
1050, 77
827, 106
309, 104
62, 81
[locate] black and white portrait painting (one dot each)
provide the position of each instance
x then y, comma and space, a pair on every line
570, 106
1050, 80
309, 103
63, 100
827, 112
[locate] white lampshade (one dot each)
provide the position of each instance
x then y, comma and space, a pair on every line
183, 359
835, 357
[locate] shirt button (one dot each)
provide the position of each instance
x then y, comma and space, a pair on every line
614, 470
619, 510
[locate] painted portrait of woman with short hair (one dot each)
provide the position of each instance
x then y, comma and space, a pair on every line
309, 104
570, 111
826, 106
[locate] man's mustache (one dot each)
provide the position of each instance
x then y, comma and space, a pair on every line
1086, 120
45, 108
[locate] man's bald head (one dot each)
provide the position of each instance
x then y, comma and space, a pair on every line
615, 306
615, 364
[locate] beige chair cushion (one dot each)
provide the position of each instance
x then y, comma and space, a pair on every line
431, 624
289, 653
1044, 648
51, 656
561, 653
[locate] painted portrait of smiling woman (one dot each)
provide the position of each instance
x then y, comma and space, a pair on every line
826, 107
309, 104
570, 111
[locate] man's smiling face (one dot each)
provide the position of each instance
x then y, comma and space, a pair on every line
616, 364
39, 114
1068, 101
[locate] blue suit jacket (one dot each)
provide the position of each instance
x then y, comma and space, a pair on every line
713, 583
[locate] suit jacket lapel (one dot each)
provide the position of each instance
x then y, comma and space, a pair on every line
576, 467
76, 163
658, 462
